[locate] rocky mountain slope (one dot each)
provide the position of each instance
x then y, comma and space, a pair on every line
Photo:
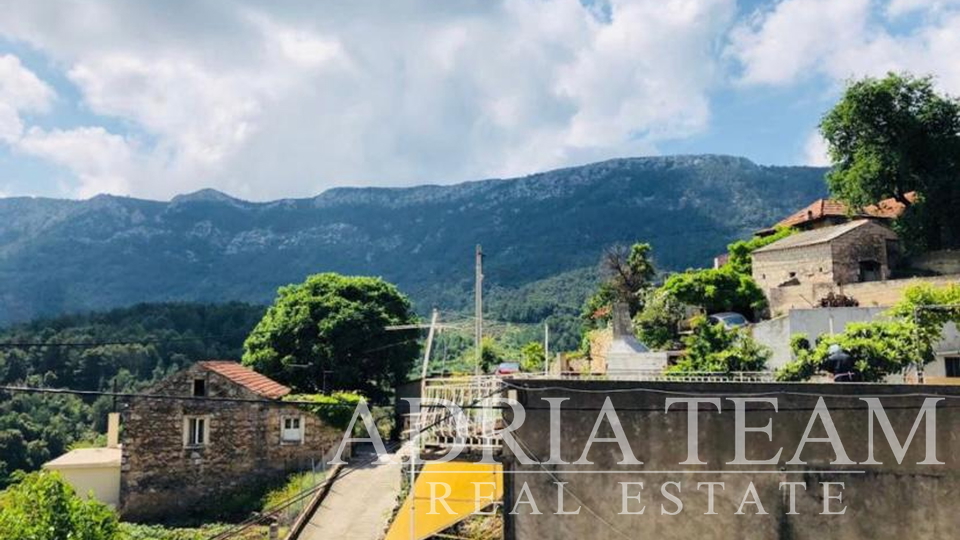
61, 256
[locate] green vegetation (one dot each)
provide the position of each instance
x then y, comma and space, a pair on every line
716, 290
627, 274
717, 349
128, 350
878, 348
882, 348
657, 325
42, 506
334, 325
532, 357
890, 136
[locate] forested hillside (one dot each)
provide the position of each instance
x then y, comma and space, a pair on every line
61, 256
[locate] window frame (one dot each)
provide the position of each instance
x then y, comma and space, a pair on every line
301, 428
203, 385
189, 439
949, 360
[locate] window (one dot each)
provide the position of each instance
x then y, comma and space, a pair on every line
870, 271
952, 366
199, 388
291, 429
196, 431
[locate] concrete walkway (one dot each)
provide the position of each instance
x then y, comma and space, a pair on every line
359, 504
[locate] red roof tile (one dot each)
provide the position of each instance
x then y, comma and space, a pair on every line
823, 208
249, 379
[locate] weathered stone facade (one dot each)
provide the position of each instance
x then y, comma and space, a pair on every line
854, 252
164, 476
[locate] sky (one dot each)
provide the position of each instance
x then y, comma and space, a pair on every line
268, 100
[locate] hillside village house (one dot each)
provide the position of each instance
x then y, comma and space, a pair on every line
225, 430
853, 252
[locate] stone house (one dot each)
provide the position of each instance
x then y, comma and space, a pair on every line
212, 431
853, 252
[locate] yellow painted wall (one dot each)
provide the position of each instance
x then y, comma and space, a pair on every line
104, 482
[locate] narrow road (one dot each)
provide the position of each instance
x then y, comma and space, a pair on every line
359, 504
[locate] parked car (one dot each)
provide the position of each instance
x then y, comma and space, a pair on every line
508, 368
728, 319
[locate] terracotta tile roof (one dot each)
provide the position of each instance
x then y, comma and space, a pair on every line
251, 380
823, 208
890, 208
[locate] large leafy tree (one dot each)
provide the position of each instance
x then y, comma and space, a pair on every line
717, 289
628, 272
878, 349
332, 328
713, 348
890, 136
41, 506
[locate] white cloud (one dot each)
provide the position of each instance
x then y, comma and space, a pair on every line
20, 91
800, 39
815, 151
289, 98
10, 124
102, 162
20, 88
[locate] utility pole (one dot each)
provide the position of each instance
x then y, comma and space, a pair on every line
426, 351
546, 348
478, 308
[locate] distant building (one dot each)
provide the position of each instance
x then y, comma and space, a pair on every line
218, 429
93, 471
829, 212
853, 252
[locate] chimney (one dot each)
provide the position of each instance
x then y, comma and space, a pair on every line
113, 430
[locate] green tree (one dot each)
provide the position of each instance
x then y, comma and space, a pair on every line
714, 348
42, 506
890, 136
716, 290
332, 327
878, 348
627, 274
657, 324
532, 357
492, 354
883, 348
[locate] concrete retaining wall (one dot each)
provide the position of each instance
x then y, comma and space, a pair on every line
883, 502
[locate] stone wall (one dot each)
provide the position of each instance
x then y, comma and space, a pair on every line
808, 264
883, 502
162, 479
823, 266
870, 294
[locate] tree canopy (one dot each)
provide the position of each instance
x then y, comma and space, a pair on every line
891, 136
42, 506
627, 273
332, 327
716, 290
714, 348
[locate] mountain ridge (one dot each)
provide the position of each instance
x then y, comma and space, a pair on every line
59, 255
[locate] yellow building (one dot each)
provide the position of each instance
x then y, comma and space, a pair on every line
93, 471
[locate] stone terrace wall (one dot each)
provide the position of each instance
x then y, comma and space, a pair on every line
870, 294
161, 479
885, 502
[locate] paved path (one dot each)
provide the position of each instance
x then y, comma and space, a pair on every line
359, 504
